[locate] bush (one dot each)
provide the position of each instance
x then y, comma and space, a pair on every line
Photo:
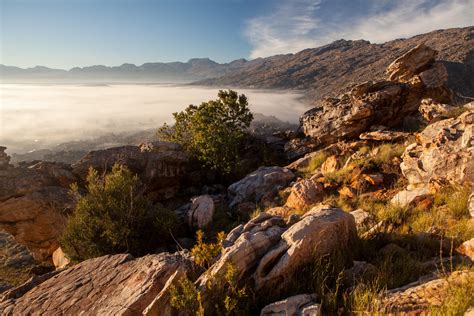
314, 163
213, 131
219, 297
113, 217
204, 254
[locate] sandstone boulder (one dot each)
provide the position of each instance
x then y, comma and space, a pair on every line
160, 165
60, 259
444, 152
201, 211
331, 164
254, 186
411, 63
305, 193
406, 197
109, 285
298, 305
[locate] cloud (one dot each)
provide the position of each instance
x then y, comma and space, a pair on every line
299, 24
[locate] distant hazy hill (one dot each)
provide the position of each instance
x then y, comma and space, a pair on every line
194, 69
324, 70
318, 71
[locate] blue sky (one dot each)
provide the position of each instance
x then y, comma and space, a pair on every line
67, 33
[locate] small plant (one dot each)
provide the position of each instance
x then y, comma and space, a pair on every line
386, 153
459, 298
186, 298
222, 296
205, 254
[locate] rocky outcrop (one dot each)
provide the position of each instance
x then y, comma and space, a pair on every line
444, 152
262, 182
112, 285
420, 297
160, 165
32, 204
298, 305
268, 251
384, 103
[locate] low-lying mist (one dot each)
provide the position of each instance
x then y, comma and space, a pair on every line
35, 117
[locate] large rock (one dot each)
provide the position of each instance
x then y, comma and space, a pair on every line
411, 63
201, 211
268, 251
109, 285
320, 232
33, 202
160, 165
420, 297
261, 182
305, 193
444, 152
298, 305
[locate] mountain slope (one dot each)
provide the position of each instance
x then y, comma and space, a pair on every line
322, 71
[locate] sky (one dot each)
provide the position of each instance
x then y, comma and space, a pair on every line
68, 33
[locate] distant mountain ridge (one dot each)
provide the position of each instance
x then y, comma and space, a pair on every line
194, 69
319, 72
325, 70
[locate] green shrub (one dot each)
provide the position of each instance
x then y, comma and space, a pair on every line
219, 297
186, 298
113, 217
459, 299
213, 131
205, 254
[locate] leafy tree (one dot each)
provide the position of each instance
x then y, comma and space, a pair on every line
114, 217
213, 131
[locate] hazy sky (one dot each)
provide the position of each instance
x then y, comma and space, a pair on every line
67, 33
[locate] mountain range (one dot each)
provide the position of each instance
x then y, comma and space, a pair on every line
318, 71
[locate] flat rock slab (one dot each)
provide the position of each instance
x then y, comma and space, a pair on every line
109, 285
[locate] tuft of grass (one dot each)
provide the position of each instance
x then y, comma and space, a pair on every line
314, 163
455, 199
387, 152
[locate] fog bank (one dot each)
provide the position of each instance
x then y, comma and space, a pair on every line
42, 116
